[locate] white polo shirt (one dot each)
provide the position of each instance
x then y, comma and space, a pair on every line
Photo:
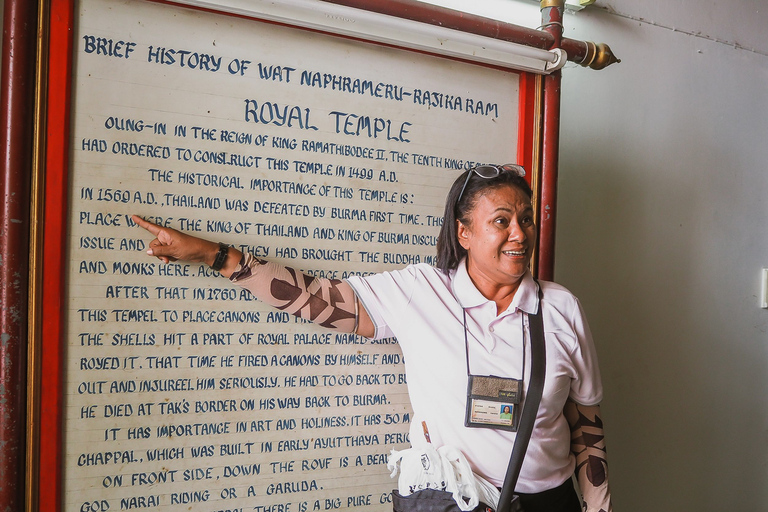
422, 307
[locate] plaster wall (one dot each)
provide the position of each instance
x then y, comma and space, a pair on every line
662, 232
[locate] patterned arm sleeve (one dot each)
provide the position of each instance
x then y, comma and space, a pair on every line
588, 445
330, 303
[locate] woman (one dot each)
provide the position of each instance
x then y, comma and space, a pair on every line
467, 316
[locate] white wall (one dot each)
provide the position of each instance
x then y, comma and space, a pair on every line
662, 232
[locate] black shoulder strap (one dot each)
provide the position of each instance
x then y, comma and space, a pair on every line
530, 408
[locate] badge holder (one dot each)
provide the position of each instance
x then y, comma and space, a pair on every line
493, 402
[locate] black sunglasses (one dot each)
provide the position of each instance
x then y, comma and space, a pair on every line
491, 171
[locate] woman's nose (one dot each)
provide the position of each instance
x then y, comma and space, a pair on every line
516, 232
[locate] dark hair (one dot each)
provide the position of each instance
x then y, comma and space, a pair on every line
449, 250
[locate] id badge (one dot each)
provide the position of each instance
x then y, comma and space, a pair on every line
493, 402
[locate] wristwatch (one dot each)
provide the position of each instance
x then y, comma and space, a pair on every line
221, 257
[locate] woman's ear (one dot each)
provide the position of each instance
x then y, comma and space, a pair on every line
463, 233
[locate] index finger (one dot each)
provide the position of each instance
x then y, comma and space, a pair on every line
152, 228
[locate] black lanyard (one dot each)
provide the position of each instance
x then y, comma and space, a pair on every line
492, 401
530, 408
466, 342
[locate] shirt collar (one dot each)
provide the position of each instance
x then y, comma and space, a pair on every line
468, 296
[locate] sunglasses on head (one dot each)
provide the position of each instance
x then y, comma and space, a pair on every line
490, 171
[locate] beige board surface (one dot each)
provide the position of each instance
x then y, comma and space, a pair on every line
330, 154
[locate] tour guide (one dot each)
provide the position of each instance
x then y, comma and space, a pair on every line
466, 317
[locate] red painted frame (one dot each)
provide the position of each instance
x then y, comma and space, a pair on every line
54, 245
55, 224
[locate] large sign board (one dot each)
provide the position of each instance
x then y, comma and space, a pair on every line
177, 390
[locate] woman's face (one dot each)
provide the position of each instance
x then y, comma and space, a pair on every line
499, 237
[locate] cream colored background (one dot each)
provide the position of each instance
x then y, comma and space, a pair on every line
134, 89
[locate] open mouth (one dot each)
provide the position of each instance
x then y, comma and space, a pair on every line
514, 253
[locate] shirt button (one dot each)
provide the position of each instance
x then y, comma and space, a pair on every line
491, 328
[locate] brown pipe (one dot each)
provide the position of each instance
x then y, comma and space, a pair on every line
578, 51
17, 89
448, 18
552, 22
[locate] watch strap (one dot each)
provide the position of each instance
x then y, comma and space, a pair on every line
221, 257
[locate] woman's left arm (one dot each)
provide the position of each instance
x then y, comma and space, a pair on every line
588, 445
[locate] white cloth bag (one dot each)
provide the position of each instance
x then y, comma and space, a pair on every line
444, 469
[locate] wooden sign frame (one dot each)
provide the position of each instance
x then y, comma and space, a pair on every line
50, 254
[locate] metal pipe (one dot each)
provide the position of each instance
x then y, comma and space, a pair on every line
448, 18
17, 89
578, 51
552, 22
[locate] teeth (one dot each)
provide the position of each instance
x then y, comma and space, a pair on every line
515, 253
